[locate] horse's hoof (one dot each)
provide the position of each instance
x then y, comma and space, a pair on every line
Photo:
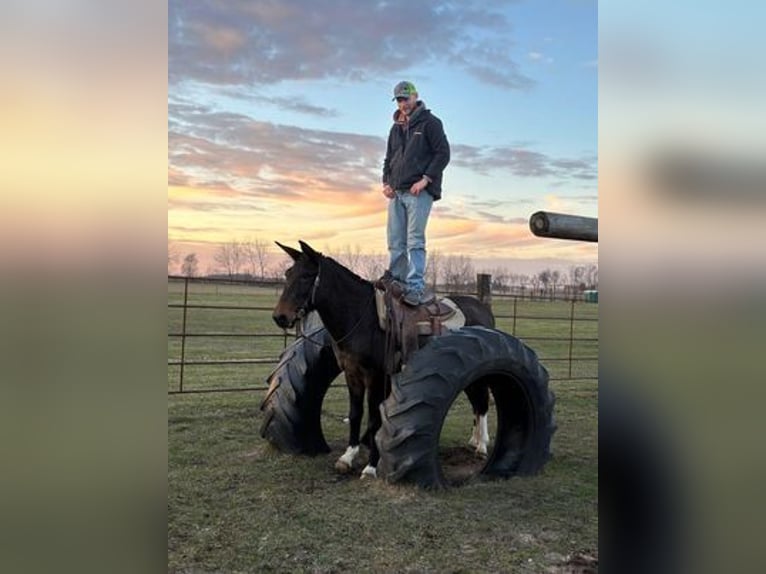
369, 471
346, 461
481, 451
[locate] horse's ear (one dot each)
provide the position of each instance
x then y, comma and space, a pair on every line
308, 250
294, 253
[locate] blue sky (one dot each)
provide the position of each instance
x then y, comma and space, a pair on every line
279, 110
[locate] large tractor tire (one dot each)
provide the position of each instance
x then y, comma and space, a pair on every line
293, 404
422, 394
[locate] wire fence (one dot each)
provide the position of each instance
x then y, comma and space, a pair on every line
221, 337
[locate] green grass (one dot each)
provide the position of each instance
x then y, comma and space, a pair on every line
234, 504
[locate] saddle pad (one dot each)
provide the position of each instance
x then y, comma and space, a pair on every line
457, 320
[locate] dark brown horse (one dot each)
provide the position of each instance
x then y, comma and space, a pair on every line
346, 304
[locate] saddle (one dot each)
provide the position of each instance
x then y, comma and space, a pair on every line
408, 328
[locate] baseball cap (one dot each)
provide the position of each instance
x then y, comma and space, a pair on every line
404, 90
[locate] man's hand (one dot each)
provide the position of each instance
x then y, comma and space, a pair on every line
388, 192
419, 186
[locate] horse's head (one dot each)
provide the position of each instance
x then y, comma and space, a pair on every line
297, 298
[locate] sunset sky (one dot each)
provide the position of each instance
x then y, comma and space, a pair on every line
278, 113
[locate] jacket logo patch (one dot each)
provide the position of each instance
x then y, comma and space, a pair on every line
417, 133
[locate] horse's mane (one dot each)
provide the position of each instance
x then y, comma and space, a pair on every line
342, 268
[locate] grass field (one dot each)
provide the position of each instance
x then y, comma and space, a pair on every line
236, 505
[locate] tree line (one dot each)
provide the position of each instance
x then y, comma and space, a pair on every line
256, 259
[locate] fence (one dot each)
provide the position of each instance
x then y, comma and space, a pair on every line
219, 325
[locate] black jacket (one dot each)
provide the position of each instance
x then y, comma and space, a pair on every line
416, 148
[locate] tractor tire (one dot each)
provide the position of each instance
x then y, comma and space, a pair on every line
292, 406
422, 394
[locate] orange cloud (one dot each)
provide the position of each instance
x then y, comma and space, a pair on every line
451, 228
341, 217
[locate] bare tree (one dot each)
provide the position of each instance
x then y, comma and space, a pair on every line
351, 257
189, 266
500, 279
555, 278
449, 275
524, 281
591, 276
347, 256
433, 266
372, 265
515, 280
255, 253
545, 278
576, 274
229, 258
459, 272
467, 272
278, 269
534, 282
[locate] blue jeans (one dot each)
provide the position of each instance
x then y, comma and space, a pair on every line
407, 219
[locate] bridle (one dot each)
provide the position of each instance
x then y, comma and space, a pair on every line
310, 299
309, 303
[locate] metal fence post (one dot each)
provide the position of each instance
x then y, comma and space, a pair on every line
484, 288
183, 336
571, 335
513, 331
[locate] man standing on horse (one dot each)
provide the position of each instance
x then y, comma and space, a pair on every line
416, 156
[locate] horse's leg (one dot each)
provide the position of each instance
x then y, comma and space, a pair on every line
471, 393
356, 410
481, 420
374, 398
474, 440
478, 394
483, 434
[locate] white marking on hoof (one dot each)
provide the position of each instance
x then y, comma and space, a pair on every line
346, 461
481, 447
370, 471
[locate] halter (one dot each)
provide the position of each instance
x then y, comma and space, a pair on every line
310, 300
309, 303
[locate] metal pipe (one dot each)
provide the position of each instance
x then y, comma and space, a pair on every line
562, 226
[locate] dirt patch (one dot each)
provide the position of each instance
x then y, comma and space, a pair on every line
577, 563
460, 463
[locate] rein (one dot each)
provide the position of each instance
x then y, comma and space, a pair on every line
310, 300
